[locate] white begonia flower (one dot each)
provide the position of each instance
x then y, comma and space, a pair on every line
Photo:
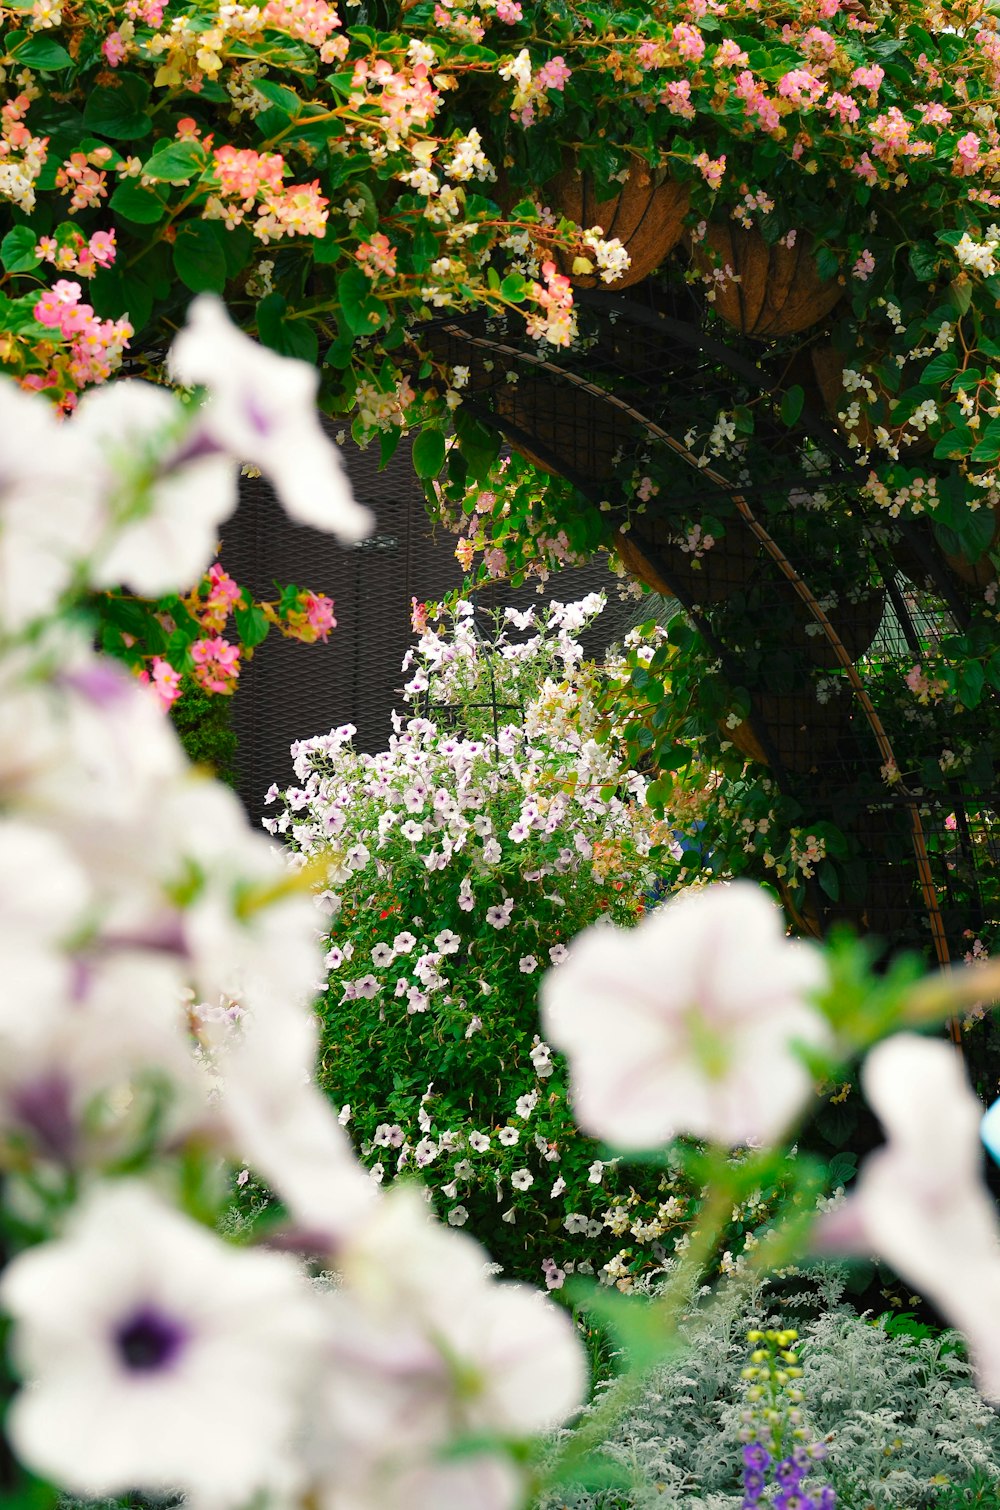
920, 1202
128, 1325
424, 1346
686, 1024
262, 408
163, 502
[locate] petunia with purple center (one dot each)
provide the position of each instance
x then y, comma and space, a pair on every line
149, 1340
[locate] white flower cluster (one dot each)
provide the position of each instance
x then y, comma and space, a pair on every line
155, 1356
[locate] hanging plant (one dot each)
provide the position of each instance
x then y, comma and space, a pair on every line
646, 216
765, 291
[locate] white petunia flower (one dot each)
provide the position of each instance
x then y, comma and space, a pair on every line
262, 407
424, 1347
522, 1179
161, 530
920, 1202
447, 942
686, 1024
508, 1136
127, 1325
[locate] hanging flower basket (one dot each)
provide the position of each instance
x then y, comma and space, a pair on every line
646, 216
775, 291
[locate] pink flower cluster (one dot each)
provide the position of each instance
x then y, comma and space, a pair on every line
150, 12
553, 75
312, 619
74, 254
557, 322
165, 682
96, 345
83, 173
377, 256
310, 20
223, 595
255, 179
756, 102
216, 665
712, 169
402, 101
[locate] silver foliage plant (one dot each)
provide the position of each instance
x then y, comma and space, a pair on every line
900, 1415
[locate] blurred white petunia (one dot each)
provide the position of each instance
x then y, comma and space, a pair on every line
271, 1114
92, 1054
163, 501
50, 511
686, 1024
920, 1202
155, 1356
262, 408
424, 1347
83, 748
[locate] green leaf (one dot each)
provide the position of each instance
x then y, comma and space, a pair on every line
988, 449
940, 368
120, 112
428, 453
829, 880
132, 202
177, 162
326, 249
293, 338
285, 100
17, 250
955, 443
199, 260
252, 626
43, 53
514, 288
388, 445
923, 261
960, 294
970, 683
791, 405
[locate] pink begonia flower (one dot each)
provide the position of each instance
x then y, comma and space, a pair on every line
554, 74
165, 682
127, 1324
686, 1024
920, 1202
262, 407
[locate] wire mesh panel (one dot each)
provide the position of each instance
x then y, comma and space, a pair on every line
290, 691
815, 606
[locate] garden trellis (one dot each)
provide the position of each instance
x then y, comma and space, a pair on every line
808, 624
